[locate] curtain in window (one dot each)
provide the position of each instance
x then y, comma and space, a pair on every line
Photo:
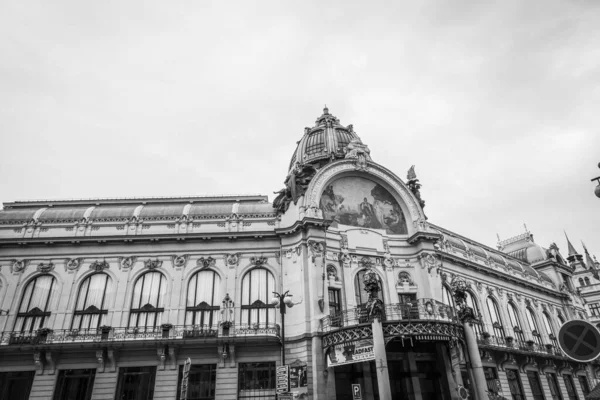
34, 308
147, 304
202, 307
495, 316
92, 299
257, 290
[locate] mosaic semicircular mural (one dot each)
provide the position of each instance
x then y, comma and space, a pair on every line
360, 202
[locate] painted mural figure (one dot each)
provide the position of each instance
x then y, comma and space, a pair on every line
360, 202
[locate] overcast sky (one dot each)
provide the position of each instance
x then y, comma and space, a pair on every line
496, 105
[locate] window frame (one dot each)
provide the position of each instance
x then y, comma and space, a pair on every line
152, 309
102, 311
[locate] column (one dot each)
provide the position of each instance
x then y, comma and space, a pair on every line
476, 365
383, 377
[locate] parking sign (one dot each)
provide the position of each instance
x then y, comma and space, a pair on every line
356, 392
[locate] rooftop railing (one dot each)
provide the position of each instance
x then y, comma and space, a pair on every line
420, 309
508, 342
118, 334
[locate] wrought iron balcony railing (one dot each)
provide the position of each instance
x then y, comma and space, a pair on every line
508, 342
110, 334
421, 309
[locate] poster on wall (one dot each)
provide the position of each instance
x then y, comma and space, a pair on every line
363, 203
351, 352
299, 381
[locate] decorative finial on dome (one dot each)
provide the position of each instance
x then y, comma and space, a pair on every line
326, 110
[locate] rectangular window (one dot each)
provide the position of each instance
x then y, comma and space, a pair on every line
201, 382
136, 383
335, 307
583, 382
595, 309
553, 384
257, 381
75, 384
491, 379
16, 385
535, 384
514, 384
570, 387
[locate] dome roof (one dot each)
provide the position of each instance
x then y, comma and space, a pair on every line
326, 140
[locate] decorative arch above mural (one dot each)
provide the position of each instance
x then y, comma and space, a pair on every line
360, 202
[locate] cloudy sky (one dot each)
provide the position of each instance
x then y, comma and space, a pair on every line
496, 105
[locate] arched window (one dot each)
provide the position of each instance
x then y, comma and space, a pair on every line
587, 281
202, 307
92, 301
34, 308
581, 282
447, 297
495, 316
404, 277
361, 296
147, 304
515, 322
549, 329
561, 319
471, 302
535, 331
257, 291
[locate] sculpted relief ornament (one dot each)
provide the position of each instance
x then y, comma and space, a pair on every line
258, 261
206, 262
19, 266
127, 263
180, 261
73, 264
152, 264
99, 265
232, 259
44, 268
360, 152
316, 249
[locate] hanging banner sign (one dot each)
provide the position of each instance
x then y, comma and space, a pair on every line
282, 379
351, 352
185, 378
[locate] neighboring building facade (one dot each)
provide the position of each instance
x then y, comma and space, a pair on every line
108, 298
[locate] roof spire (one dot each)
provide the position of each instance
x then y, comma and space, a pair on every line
572, 251
325, 110
588, 258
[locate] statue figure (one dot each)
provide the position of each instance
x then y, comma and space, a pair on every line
374, 304
414, 185
360, 152
296, 185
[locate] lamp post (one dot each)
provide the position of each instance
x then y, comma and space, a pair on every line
597, 179
284, 300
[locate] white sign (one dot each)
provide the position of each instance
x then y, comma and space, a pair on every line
184, 379
351, 352
282, 379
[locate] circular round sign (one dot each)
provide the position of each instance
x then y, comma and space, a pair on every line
579, 340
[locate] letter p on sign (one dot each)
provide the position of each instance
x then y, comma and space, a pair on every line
356, 392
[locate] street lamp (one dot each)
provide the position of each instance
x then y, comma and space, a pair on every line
284, 300
597, 179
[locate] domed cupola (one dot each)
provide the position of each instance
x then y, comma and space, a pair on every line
327, 141
324, 142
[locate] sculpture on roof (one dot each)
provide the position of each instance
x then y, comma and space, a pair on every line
414, 185
358, 151
296, 185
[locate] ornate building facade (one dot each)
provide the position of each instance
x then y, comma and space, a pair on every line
108, 298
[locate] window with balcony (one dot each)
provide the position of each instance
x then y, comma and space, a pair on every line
570, 386
34, 309
535, 331
549, 329
257, 381
553, 385
335, 307
92, 302
472, 303
495, 317
203, 297
514, 384
75, 384
257, 291
201, 382
136, 383
537, 392
515, 323
147, 303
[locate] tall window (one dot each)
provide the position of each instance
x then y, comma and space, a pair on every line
471, 302
561, 319
34, 308
595, 309
136, 383
583, 382
147, 304
535, 331
335, 307
202, 306
447, 297
587, 281
491, 379
16, 385
92, 300
536, 386
549, 329
554, 388
570, 387
515, 322
495, 316
257, 290
361, 296
514, 384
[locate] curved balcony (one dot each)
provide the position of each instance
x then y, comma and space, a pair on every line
509, 344
423, 319
109, 334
